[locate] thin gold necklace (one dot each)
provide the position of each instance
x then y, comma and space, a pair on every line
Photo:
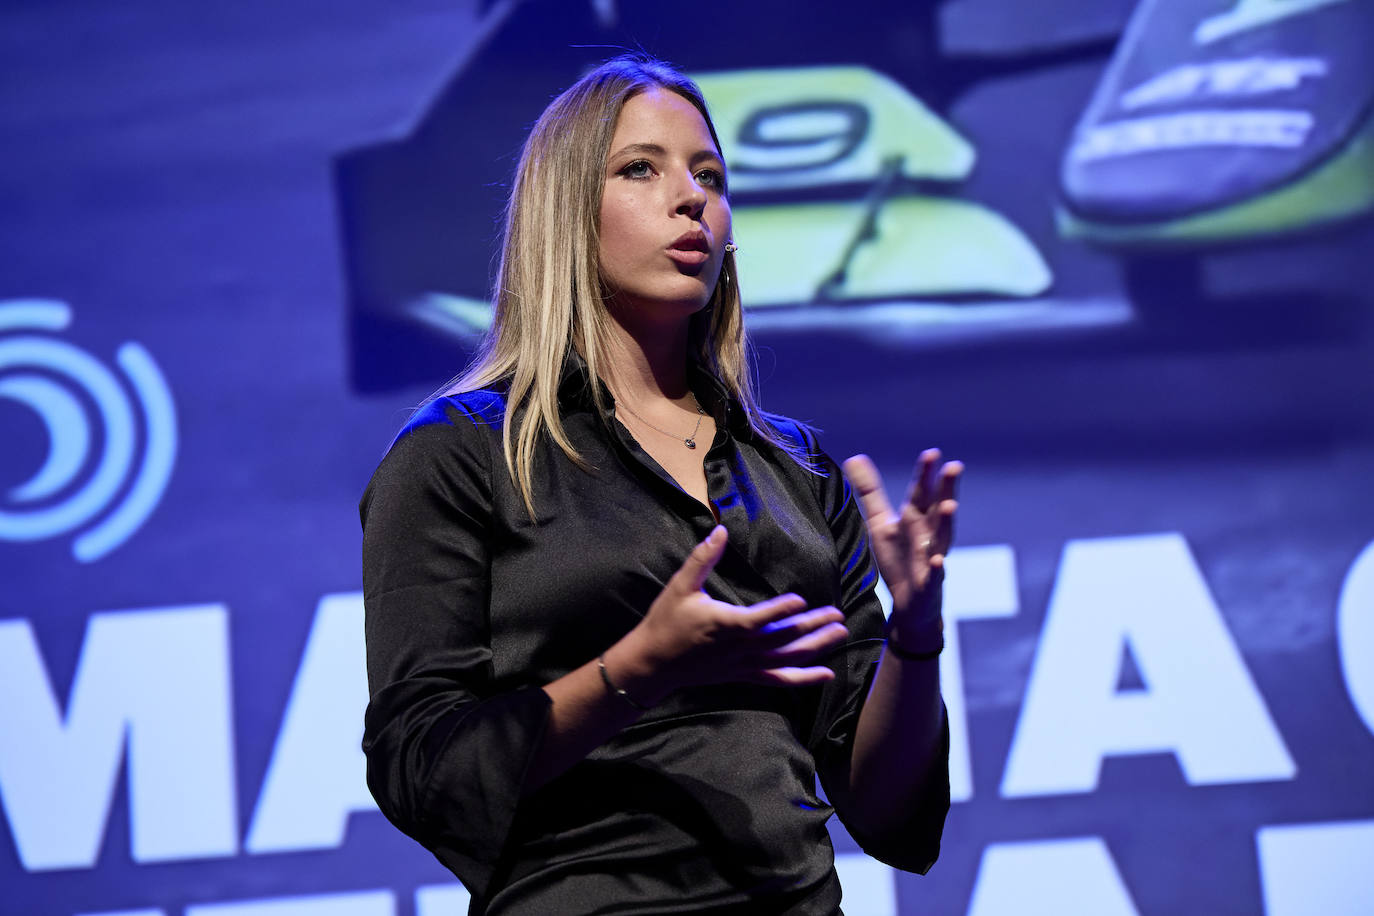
689, 441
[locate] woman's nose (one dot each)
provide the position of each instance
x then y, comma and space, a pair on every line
691, 197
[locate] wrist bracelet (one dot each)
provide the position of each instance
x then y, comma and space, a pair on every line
914, 656
610, 685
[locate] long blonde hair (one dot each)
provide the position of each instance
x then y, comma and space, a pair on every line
549, 295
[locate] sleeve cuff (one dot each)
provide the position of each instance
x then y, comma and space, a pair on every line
477, 781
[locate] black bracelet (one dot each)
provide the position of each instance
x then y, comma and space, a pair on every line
610, 685
914, 656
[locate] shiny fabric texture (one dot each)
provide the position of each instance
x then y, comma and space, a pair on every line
707, 804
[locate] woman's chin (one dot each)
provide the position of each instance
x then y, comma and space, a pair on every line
658, 307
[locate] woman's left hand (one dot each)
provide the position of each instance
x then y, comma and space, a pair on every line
910, 542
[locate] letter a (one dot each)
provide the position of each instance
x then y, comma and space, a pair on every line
1147, 595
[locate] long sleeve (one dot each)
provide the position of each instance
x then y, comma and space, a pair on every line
917, 845
472, 606
446, 753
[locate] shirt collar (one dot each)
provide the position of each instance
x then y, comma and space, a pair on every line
575, 390
574, 382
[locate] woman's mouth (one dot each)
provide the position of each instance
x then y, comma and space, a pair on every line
690, 248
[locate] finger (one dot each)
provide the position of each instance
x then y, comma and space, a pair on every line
921, 492
807, 648
944, 527
793, 677
863, 476
949, 480
692, 575
781, 632
758, 616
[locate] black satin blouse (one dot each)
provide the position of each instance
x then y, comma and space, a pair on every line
708, 803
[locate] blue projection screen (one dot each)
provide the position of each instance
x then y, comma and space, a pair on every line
1116, 256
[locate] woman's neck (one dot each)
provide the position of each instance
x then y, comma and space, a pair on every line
647, 364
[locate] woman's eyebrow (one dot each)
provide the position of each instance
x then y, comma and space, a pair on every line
640, 148
657, 150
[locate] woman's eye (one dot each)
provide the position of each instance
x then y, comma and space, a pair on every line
637, 169
712, 178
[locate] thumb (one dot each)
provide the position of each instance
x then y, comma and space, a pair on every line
692, 575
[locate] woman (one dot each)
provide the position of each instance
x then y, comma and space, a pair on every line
618, 619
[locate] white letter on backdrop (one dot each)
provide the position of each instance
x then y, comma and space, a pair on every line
1317, 868
1049, 878
159, 677
441, 900
317, 777
981, 584
354, 903
1355, 634
1146, 594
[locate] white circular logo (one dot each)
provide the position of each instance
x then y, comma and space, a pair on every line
74, 393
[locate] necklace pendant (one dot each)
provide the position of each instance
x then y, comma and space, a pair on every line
690, 443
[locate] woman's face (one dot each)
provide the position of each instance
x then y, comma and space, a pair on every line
664, 216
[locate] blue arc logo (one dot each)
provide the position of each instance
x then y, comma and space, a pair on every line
109, 495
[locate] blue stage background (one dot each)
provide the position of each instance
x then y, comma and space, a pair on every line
239, 243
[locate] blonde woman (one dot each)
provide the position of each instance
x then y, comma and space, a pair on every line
618, 618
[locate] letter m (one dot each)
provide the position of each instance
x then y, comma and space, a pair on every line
154, 683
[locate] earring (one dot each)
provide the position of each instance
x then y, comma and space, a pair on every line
731, 246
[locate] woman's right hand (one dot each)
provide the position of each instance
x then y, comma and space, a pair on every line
689, 638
